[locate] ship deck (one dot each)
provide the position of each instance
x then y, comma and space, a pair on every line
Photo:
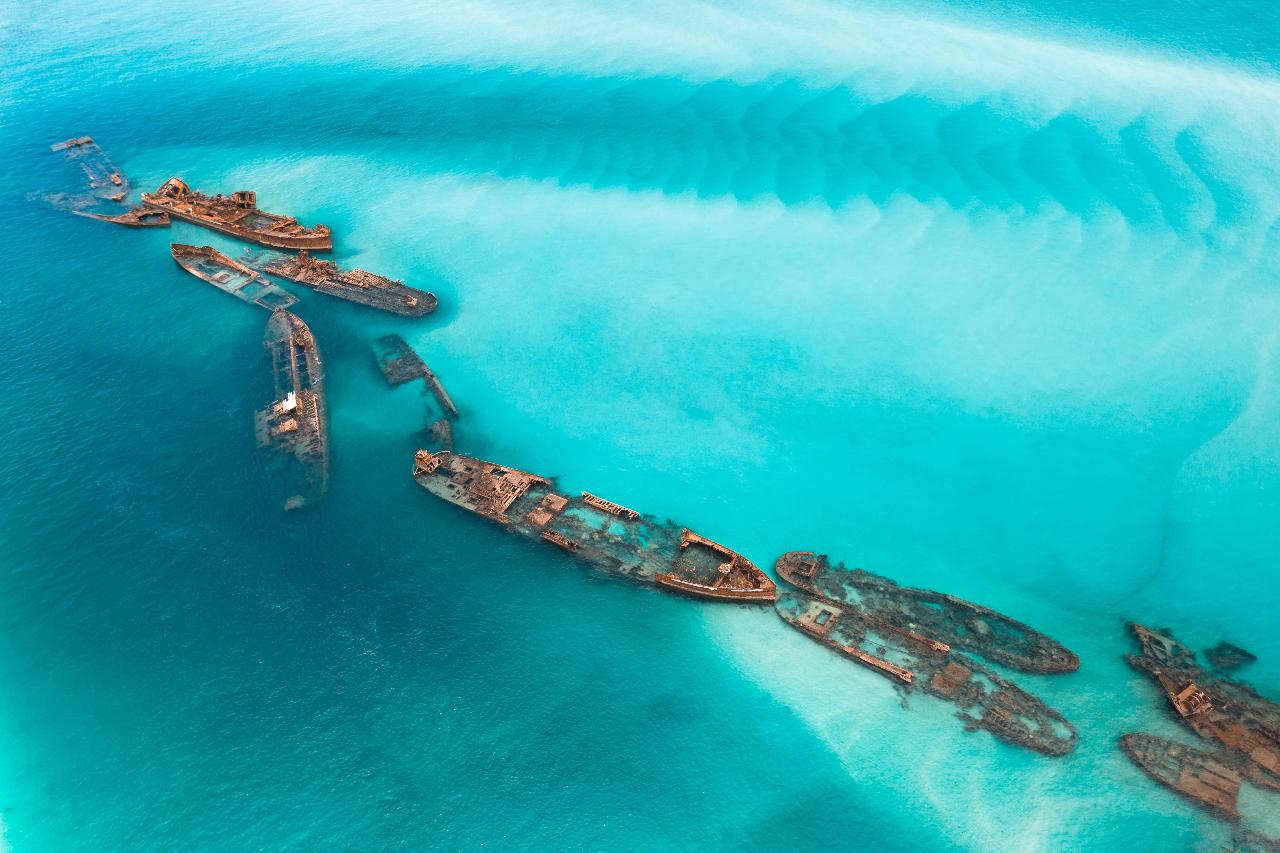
355, 285
298, 375
237, 216
608, 536
231, 277
636, 548
919, 662
972, 627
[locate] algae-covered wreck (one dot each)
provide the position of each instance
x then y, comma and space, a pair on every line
296, 423
353, 285
916, 662
608, 536
959, 623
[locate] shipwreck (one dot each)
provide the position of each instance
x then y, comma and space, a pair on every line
612, 538
959, 623
1199, 776
356, 285
295, 425
399, 364
916, 662
105, 180
106, 188
1245, 725
236, 215
230, 276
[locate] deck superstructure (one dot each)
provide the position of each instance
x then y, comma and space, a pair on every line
231, 276
608, 536
355, 285
236, 215
296, 423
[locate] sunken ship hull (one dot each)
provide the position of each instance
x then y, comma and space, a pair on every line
984, 699
230, 276
105, 180
607, 536
106, 188
295, 425
237, 216
359, 286
1198, 776
952, 620
134, 217
1244, 724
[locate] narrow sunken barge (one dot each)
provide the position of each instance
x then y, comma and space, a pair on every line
1198, 776
610, 537
954, 621
1245, 725
230, 276
296, 424
913, 661
237, 215
355, 285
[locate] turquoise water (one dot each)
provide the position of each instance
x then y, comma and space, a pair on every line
982, 296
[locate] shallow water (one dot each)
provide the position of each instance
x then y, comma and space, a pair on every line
979, 296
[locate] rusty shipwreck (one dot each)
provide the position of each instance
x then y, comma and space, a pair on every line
1199, 776
295, 425
916, 662
954, 621
355, 285
230, 276
105, 180
606, 535
399, 364
236, 215
1243, 724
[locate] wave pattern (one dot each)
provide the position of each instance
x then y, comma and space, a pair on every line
779, 139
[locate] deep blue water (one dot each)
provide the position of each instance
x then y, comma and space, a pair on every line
979, 295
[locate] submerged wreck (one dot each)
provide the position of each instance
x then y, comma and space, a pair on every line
230, 276
606, 535
355, 285
954, 621
399, 363
105, 180
1226, 656
134, 217
107, 188
397, 360
236, 215
914, 662
1199, 776
1244, 724
295, 425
